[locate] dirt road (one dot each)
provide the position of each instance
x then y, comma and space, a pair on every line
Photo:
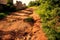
13, 27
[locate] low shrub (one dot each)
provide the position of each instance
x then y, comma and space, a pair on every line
2, 15
50, 15
34, 3
29, 19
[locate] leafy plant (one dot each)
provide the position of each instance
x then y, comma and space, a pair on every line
2, 15
49, 12
29, 19
34, 3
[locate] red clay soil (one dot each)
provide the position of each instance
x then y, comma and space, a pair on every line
13, 27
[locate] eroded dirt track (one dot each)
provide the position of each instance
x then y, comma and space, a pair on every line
13, 27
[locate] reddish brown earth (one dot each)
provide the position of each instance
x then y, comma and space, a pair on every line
13, 27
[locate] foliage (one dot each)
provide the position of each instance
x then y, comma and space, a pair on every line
2, 15
6, 9
49, 11
34, 3
29, 19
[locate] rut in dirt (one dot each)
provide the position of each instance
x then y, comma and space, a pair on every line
14, 26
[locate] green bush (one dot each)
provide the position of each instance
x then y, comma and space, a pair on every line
6, 10
29, 19
34, 3
49, 12
2, 15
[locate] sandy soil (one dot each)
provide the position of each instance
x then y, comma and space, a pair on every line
13, 27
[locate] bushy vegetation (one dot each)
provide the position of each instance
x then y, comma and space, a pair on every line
6, 9
2, 15
34, 3
49, 11
29, 19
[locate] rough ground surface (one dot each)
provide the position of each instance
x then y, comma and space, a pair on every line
13, 27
